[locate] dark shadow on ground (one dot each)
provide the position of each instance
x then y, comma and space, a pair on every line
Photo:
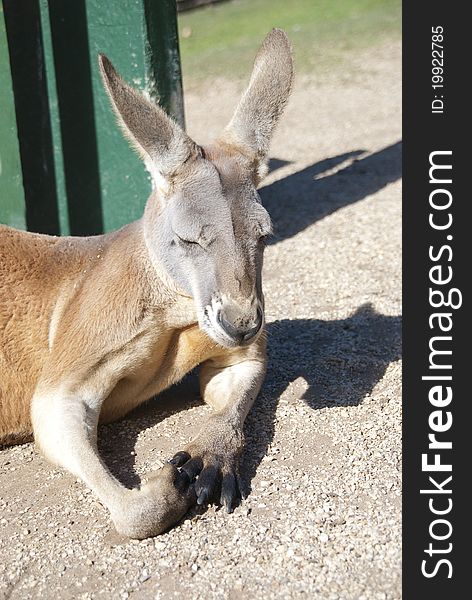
117, 441
341, 362
303, 198
276, 163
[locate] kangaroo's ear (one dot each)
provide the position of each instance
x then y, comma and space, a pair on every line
158, 139
261, 105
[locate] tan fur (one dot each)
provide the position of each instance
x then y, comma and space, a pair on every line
29, 279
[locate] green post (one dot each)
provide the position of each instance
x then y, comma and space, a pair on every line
99, 182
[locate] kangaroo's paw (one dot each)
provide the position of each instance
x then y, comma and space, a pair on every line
213, 458
155, 507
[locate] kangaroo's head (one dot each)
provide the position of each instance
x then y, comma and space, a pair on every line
204, 222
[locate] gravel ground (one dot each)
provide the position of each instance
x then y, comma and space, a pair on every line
323, 463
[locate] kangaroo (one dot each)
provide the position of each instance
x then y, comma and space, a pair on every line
92, 327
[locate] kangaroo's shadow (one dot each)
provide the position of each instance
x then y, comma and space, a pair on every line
341, 361
303, 198
117, 441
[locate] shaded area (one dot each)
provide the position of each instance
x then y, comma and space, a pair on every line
276, 163
76, 109
116, 443
300, 200
341, 361
22, 20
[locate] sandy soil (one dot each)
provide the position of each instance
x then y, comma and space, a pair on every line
323, 459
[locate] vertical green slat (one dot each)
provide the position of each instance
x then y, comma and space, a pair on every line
64, 226
28, 76
12, 201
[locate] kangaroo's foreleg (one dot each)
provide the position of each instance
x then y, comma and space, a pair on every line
65, 427
230, 384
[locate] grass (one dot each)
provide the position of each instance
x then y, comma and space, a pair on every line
221, 40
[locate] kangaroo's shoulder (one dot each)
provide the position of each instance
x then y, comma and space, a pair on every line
17, 244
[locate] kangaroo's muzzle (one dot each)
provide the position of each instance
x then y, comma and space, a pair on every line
240, 334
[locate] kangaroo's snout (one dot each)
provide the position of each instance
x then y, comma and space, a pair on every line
242, 330
233, 324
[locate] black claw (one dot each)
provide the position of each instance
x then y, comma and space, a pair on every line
179, 459
193, 467
206, 483
242, 487
229, 492
181, 481
203, 497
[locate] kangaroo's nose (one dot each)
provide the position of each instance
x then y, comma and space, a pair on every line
240, 335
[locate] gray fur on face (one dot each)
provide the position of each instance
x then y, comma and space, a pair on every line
204, 223
209, 236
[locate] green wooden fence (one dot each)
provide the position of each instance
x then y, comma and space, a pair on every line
64, 165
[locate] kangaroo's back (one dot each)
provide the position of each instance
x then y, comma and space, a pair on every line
33, 268
24, 279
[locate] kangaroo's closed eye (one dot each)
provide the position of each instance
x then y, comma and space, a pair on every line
186, 242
